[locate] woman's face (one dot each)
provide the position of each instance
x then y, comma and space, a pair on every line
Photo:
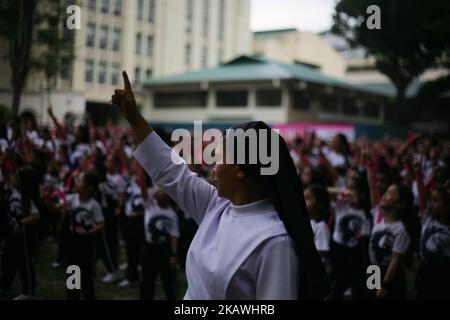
390, 198
225, 177
437, 205
307, 176
310, 200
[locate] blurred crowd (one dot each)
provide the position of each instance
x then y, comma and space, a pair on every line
383, 203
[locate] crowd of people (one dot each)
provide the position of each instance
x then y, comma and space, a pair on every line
383, 203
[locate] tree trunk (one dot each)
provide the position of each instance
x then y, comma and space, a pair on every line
17, 94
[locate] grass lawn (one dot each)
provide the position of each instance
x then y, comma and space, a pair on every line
51, 282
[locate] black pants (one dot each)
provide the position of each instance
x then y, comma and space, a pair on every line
63, 238
81, 254
348, 271
104, 253
433, 281
108, 247
156, 261
17, 255
134, 239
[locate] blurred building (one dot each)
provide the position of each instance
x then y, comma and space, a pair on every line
145, 37
305, 48
360, 67
252, 88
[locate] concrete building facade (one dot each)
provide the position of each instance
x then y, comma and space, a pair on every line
145, 37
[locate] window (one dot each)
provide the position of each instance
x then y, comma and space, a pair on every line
102, 72
180, 99
116, 39
117, 8
301, 100
103, 37
205, 57
105, 6
137, 75
89, 71
329, 103
115, 74
221, 19
151, 11
140, 9
92, 5
187, 54
65, 70
269, 98
90, 35
349, 107
189, 10
138, 48
148, 73
231, 98
372, 110
205, 18
150, 46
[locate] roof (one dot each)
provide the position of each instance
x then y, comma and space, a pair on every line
253, 68
274, 32
388, 89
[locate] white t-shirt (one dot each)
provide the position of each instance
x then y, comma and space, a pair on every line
16, 211
349, 224
321, 235
81, 150
387, 238
133, 199
238, 252
335, 159
434, 241
116, 183
3, 145
159, 223
87, 214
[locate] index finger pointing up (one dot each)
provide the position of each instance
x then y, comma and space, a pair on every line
126, 81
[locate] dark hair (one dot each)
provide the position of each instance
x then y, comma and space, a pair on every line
408, 215
84, 133
285, 191
323, 197
29, 187
90, 180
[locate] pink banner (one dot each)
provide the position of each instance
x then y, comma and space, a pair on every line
324, 131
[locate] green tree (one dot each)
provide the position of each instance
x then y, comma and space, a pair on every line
36, 39
413, 37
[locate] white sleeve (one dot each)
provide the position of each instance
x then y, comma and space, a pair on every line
33, 208
277, 271
97, 210
174, 231
322, 238
401, 242
192, 194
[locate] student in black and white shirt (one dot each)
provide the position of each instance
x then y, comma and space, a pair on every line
351, 229
433, 277
20, 239
160, 253
389, 241
85, 219
318, 205
133, 231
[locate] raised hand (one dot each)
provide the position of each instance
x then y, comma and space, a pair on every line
124, 100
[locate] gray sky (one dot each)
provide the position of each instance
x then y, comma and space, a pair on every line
305, 15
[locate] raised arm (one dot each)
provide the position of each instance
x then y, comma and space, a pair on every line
167, 170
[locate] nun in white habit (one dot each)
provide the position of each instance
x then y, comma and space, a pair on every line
254, 239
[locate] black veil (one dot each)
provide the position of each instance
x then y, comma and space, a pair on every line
285, 191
